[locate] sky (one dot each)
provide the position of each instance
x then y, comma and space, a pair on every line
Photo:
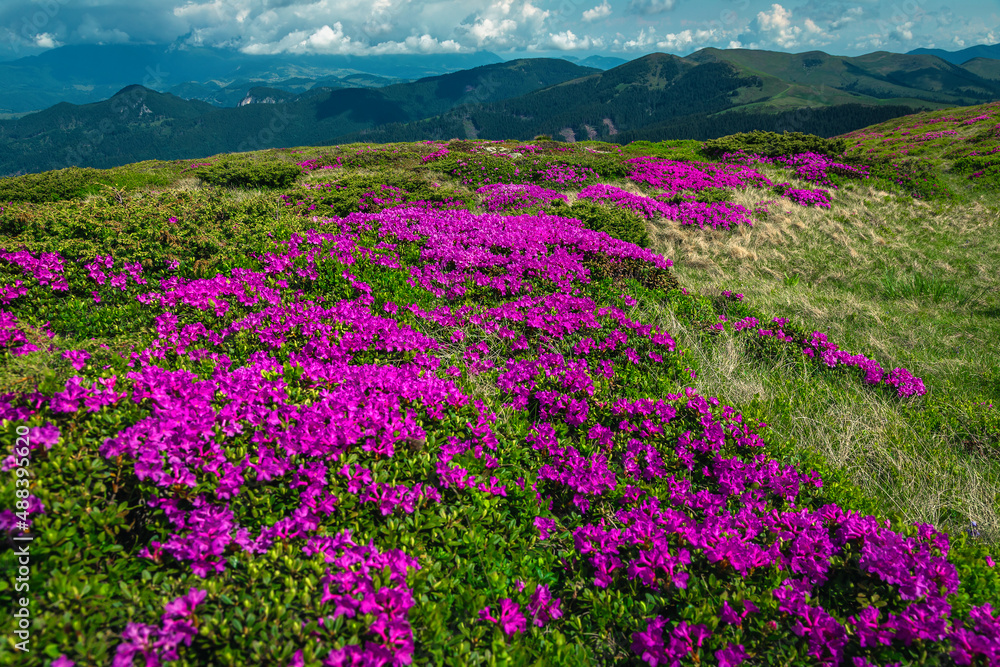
509, 28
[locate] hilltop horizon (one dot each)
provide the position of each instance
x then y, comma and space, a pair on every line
711, 93
82, 74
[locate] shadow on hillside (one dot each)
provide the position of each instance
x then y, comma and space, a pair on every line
989, 312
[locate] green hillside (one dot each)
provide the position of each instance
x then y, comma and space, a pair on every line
712, 93
629, 97
961, 144
987, 68
819, 78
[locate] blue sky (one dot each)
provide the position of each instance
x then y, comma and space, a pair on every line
510, 28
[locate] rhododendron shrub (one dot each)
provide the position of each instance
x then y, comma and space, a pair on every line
715, 214
673, 177
419, 434
504, 197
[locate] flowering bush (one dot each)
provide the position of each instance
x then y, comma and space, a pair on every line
773, 145
820, 169
442, 150
716, 214
673, 177
804, 197
504, 197
491, 169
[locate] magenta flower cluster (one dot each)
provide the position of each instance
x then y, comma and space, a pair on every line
349, 587
673, 176
318, 163
977, 119
516, 196
812, 167
510, 170
804, 196
818, 347
817, 168
47, 268
724, 215
442, 150
931, 136
155, 644
566, 174
541, 607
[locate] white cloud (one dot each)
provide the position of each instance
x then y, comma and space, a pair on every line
46, 41
205, 13
850, 16
872, 41
599, 12
648, 7
327, 40
422, 44
903, 32
506, 25
778, 19
490, 32
333, 40
567, 41
642, 40
90, 30
815, 35
778, 25
684, 40
532, 14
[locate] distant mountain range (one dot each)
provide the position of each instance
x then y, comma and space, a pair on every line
988, 51
138, 123
710, 93
715, 92
82, 74
89, 73
600, 62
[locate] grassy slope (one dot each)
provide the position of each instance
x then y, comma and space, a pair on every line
855, 273
867, 79
914, 136
912, 281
